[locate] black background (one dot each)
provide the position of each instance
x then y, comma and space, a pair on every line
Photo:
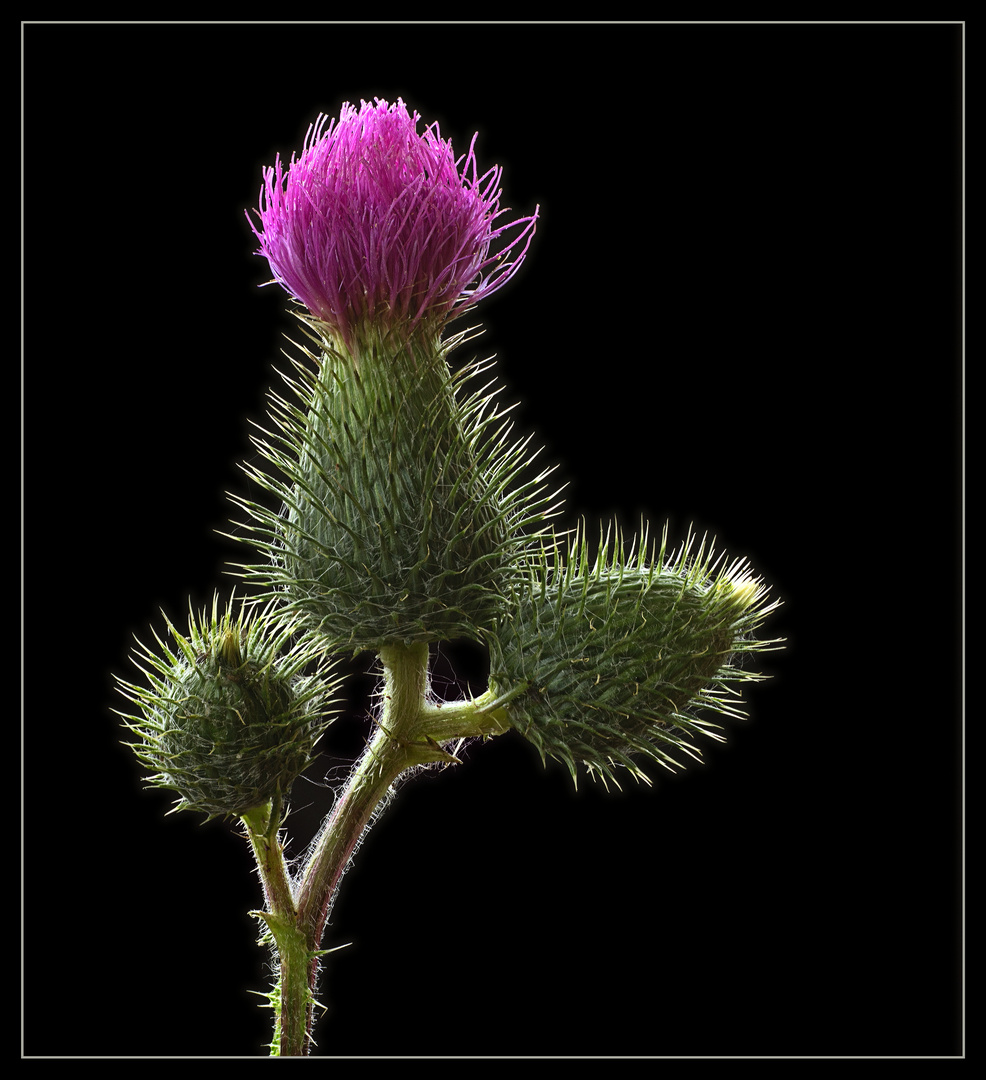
741, 309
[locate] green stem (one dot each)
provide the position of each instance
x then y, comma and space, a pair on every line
291, 1029
262, 825
390, 752
483, 715
409, 732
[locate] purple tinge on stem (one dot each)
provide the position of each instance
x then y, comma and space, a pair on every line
377, 229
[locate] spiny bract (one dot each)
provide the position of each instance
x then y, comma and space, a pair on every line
402, 512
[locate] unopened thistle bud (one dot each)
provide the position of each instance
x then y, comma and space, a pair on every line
225, 721
609, 662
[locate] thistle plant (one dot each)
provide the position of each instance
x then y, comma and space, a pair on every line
394, 509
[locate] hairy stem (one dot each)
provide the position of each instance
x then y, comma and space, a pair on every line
262, 826
409, 732
390, 752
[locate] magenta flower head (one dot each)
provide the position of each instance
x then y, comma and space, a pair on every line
381, 231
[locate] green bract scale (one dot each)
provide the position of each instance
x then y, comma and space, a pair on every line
400, 518
226, 721
607, 660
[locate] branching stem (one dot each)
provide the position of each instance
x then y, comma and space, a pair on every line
409, 732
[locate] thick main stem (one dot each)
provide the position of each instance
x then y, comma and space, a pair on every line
391, 751
409, 732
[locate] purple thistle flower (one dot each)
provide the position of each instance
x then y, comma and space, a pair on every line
377, 229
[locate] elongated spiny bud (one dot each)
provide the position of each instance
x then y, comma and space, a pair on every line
604, 663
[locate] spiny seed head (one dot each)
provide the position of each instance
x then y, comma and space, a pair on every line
225, 721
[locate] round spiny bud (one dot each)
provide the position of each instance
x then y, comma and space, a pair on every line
600, 664
225, 722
